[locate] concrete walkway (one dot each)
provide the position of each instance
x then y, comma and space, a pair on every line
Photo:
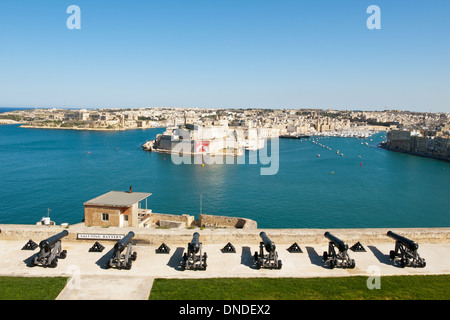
98, 287
90, 280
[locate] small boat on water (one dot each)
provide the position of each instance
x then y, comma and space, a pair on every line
294, 136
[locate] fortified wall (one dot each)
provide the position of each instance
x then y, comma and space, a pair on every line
226, 222
205, 221
222, 236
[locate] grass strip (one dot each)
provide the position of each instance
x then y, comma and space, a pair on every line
24, 288
417, 287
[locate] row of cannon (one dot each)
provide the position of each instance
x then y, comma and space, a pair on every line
405, 252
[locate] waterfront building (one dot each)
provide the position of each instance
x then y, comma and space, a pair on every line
117, 209
399, 139
198, 140
419, 143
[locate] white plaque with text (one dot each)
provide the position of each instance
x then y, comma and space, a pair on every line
90, 236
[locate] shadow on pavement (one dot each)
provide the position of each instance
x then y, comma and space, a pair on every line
315, 258
247, 258
382, 258
175, 260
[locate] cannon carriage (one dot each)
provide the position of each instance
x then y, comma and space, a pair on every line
406, 251
269, 260
194, 258
50, 251
339, 259
122, 260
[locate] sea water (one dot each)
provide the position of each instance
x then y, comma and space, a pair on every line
366, 187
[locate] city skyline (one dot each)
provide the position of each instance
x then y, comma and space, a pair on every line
233, 54
206, 108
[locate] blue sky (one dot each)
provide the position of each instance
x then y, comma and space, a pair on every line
226, 53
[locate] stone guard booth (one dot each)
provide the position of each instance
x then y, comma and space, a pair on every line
116, 209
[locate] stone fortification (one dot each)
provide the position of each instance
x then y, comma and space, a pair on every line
204, 221
226, 222
222, 236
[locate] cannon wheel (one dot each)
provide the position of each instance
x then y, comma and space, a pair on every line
423, 263
392, 254
54, 263
352, 264
134, 256
204, 261
402, 262
280, 264
127, 265
63, 254
332, 263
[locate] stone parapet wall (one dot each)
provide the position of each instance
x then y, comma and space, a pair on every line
226, 222
186, 220
205, 221
223, 236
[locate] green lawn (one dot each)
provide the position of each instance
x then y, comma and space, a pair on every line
12, 288
348, 288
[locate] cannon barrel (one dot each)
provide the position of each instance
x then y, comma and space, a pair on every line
411, 245
123, 243
342, 246
47, 244
268, 244
194, 246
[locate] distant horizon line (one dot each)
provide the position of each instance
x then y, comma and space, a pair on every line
223, 108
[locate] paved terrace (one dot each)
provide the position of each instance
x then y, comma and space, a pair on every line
91, 280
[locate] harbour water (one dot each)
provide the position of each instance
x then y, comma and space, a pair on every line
366, 187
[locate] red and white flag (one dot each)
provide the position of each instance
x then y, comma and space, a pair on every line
202, 146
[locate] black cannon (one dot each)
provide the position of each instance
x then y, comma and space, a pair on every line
406, 250
269, 260
122, 260
50, 251
193, 259
340, 259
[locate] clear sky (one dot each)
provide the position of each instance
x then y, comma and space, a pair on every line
226, 53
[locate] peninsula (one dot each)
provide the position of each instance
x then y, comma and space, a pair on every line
290, 122
419, 133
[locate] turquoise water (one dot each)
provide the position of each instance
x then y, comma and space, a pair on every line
61, 169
